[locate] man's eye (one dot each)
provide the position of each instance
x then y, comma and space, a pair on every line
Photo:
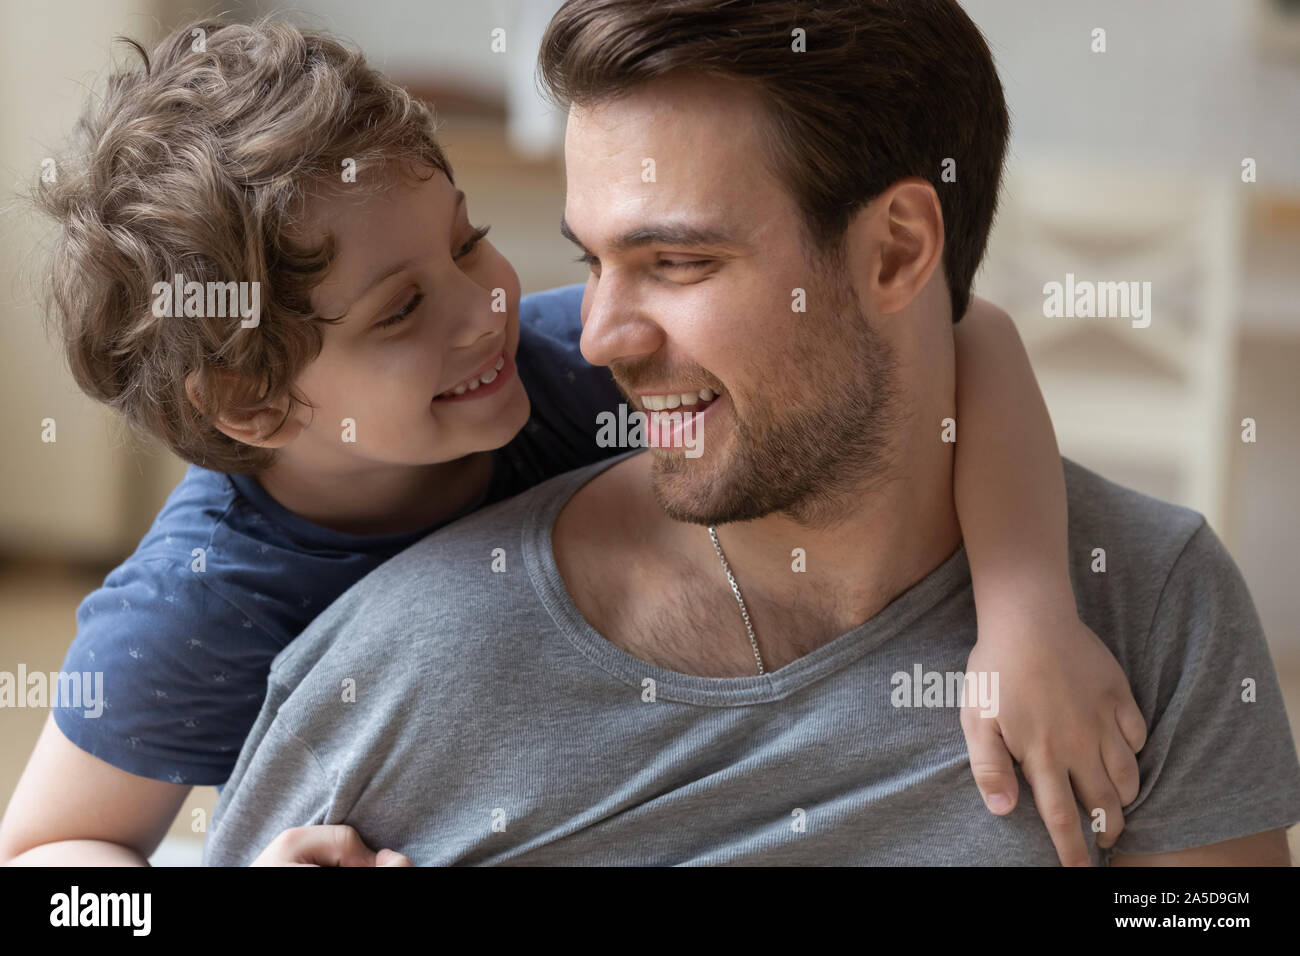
587, 259
401, 315
472, 243
684, 263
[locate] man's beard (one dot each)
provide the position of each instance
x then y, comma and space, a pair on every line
811, 451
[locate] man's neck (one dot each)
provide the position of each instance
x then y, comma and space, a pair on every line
888, 537
378, 500
899, 526
654, 586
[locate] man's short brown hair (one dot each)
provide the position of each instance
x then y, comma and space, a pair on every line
886, 89
199, 162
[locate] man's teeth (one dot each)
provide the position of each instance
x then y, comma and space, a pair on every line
487, 378
657, 403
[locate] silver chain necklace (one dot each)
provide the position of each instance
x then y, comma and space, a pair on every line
735, 589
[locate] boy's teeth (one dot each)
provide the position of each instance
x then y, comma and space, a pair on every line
485, 379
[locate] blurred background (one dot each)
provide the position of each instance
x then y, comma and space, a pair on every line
1173, 156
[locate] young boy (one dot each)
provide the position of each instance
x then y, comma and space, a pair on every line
353, 413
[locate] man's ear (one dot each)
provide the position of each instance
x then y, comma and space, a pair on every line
900, 234
264, 425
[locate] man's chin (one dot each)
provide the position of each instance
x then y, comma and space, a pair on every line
696, 490
681, 486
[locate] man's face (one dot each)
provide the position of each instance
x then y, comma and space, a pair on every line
697, 254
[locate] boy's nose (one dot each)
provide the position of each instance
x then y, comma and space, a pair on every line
475, 314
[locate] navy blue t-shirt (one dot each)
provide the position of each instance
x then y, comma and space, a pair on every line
185, 653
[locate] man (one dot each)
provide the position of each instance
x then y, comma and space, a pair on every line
586, 692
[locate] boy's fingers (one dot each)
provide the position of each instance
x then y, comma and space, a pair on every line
391, 858
990, 762
1131, 723
1121, 766
1095, 792
1054, 798
329, 845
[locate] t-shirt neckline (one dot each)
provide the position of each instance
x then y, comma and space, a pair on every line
544, 573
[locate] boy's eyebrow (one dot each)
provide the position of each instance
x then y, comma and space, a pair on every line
663, 233
455, 212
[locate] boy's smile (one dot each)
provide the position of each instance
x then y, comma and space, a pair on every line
488, 379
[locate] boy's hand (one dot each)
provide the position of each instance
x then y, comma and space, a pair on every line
1066, 714
334, 845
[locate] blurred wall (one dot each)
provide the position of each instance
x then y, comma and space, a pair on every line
1183, 83
82, 494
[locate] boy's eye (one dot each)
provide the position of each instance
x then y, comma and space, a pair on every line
472, 243
401, 315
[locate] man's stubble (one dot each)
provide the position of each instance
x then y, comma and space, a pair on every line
814, 441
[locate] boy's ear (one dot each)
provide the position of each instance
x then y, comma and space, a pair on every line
264, 426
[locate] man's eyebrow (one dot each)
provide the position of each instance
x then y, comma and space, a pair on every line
388, 274
665, 233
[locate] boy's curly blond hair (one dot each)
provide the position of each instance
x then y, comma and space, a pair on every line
199, 162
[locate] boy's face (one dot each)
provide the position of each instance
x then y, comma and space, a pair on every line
429, 306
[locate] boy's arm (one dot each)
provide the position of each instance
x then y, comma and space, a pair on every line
72, 809
1066, 711
1009, 485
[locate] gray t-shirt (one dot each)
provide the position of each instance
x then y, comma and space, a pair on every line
455, 706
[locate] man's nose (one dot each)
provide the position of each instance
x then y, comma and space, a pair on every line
615, 327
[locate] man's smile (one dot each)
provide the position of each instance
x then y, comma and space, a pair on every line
696, 400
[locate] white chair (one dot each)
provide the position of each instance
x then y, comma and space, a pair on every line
1156, 399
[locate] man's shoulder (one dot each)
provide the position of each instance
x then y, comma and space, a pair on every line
1100, 506
1159, 588
445, 582
503, 522
1134, 557
1123, 543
